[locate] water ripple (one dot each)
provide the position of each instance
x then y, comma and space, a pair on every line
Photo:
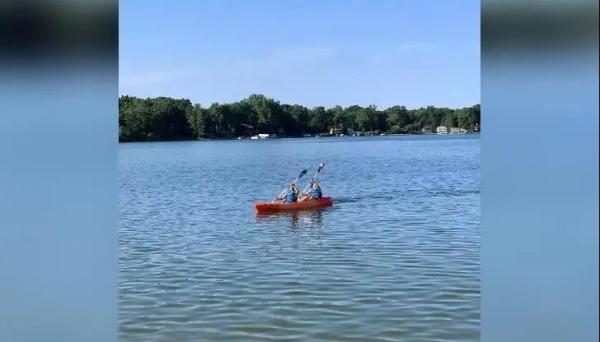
396, 258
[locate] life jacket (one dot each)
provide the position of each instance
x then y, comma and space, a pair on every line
315, 192
291, 196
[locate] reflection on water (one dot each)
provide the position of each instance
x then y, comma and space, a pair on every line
395, 259
294, 219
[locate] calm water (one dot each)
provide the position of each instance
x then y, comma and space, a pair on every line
396, 258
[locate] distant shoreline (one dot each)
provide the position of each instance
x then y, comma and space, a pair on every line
311, 137
258, 116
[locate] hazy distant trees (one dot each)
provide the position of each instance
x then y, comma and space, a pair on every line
164, 118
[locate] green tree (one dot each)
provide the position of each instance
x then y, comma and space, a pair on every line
450, 120
397, 115
158, 118
320, 120
268, 113
164, 118
196, 117
296, 119
363, 118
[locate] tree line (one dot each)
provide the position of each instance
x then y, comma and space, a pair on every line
164, 118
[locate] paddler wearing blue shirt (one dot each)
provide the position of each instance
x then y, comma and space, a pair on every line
292, 194
314, 191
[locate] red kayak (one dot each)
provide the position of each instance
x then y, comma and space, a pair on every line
303, 205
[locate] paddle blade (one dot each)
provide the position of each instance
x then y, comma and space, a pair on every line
321, 166
302, 173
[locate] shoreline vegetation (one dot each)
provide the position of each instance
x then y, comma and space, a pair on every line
260, 117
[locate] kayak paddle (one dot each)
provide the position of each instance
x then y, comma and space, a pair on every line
300, 175
321, 167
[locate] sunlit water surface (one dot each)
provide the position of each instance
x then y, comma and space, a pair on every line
395, 259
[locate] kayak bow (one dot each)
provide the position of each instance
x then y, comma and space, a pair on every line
303, 205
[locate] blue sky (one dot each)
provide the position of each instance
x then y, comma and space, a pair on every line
412, 53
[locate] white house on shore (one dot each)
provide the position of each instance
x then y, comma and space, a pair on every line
441, 130
261, 136
457, 130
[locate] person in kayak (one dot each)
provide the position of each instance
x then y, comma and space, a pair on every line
314, 191
292, 194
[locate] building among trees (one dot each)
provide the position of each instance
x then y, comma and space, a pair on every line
164, 118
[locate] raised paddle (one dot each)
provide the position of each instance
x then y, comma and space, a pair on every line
321, 166
300, 175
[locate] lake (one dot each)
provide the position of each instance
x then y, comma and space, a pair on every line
395, 259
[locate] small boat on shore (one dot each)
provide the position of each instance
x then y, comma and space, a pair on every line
270, 207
